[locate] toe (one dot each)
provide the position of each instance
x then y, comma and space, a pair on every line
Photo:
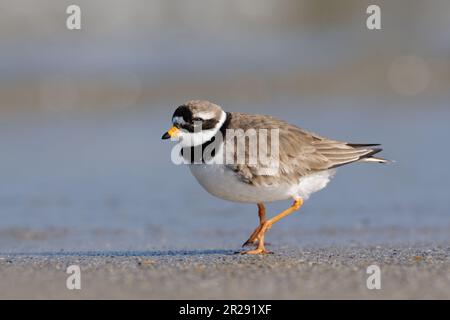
256, 251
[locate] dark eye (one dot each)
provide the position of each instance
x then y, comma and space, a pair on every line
197, 120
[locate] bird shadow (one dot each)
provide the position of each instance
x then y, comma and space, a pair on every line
143, 253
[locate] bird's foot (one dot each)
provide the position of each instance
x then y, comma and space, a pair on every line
254, 237
255, 242
251, 241
256, 251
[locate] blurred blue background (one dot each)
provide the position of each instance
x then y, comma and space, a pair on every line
82, 166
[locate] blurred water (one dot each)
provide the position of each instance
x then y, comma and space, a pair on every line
74, 181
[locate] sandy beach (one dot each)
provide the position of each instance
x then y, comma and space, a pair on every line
329, 273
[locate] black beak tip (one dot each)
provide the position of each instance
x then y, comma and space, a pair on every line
165, 136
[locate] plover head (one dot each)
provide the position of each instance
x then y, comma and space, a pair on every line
195, 122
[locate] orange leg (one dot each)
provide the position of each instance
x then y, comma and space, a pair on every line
268, 224
262, 218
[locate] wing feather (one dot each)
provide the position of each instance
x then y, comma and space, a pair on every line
300, 152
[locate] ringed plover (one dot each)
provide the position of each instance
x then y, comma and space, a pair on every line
305, 162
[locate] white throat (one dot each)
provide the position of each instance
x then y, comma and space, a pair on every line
192, 139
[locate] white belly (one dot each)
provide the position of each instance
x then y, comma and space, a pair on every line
223, 183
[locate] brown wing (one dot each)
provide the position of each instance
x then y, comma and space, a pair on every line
300, 152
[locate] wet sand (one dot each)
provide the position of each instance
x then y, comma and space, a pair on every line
421, 272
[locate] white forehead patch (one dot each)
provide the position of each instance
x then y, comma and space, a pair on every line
178, 120
205, 115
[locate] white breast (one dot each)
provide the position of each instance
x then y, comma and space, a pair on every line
222, 182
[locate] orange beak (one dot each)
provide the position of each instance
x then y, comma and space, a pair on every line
171, 133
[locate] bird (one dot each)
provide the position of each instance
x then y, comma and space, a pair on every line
304, 161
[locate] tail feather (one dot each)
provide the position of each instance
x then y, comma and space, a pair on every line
369, 157
363, 145
352, 153
376, 159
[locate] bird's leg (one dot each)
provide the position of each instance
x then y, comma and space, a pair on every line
268, 224
262, 219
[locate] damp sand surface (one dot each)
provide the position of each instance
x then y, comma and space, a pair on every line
325, 273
